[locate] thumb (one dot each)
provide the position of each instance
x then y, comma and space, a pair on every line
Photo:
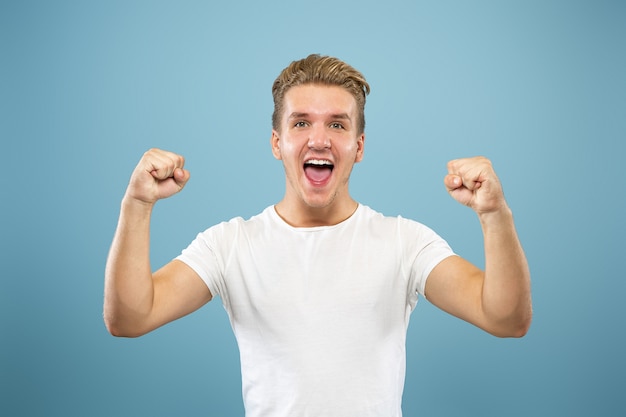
452, 182
181, 176
172, 185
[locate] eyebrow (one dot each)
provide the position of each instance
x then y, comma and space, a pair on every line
337, 116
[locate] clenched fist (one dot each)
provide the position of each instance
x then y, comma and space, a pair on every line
473, 182
159, 174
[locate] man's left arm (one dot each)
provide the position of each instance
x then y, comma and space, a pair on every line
498, 299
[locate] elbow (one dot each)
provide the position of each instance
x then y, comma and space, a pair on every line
519, 331
117, 331
114, 331
116, 327
113, 328
523, 324
514, 323
515, 329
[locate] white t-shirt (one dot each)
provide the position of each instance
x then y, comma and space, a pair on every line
320, 314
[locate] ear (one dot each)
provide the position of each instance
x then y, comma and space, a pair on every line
360, 148
275, 143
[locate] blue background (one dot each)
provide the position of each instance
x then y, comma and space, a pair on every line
87, 87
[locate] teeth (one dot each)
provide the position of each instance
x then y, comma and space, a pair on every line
319, 162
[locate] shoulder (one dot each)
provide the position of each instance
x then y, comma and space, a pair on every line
396, 223
407, 236
238, 225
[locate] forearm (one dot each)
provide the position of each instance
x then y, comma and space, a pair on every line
129, 289
506, 295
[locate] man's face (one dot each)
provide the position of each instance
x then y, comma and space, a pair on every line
318, 143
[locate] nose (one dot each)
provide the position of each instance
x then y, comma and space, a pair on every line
319, 139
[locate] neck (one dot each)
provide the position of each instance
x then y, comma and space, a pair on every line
306, 216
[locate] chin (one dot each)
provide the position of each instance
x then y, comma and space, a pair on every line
317, 199
317, 203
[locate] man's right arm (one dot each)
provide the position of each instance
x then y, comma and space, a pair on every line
136, 301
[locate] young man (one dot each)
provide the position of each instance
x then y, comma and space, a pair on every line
318, 287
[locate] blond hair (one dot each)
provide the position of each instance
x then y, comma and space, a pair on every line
324, 70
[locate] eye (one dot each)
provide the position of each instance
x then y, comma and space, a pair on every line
336, 125
300, 123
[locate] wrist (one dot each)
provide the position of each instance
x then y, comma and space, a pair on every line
133, 206
496, 219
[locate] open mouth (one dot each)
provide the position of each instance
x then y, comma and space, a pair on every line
318, 170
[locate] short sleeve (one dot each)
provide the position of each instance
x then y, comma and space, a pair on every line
428, 249
201, 256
